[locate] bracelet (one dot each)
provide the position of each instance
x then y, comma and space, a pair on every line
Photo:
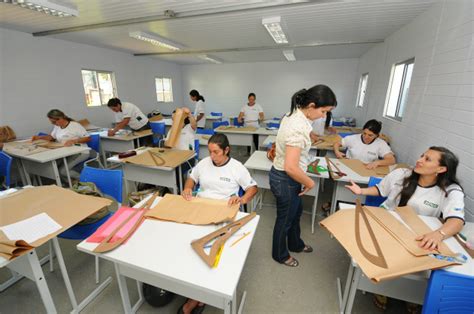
442, 233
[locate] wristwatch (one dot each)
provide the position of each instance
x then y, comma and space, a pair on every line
442, 233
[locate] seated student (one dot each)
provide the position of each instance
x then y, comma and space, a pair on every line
431, 189
367, 147
219, 177
251, 115
127, 114
320, 126
188, 134
68, 132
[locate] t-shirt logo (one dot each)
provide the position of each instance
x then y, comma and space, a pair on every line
224, 179
430, 204
371, 153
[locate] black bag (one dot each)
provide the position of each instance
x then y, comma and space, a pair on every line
157, 297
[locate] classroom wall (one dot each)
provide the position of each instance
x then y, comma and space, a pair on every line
38, 74
226, 86
440, 104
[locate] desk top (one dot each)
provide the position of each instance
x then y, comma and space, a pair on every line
163, 248
259, 131
139, 151
132, 136
49, 154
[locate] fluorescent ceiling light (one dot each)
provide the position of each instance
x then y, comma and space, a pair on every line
46, 6
289, 55
210, 59
156, 40
273, 26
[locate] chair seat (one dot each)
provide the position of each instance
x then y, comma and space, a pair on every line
80, 232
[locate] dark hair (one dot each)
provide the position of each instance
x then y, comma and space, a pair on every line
186, 120
251, 94
328, 119
113, 102
443, 180
320, 95
374, 126
220, 140
195, 93
58, 114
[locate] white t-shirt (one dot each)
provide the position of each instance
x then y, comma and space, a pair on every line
294, 131
427, 201
129, 110
221, 182
186, 139
357, 149
318, 126
200, 108
251, 114
72, 131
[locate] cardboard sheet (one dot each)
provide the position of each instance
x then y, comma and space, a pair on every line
198, 211
22, 148
391, 237
48, 144
359, 167
327, 141
176, 127
238, 129
155, 157
66, 207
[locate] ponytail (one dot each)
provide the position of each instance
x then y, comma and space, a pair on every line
320, 95
58, 114
195, 93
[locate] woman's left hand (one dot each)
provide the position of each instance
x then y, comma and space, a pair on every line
430, 241
234, 200
372, 165
69, 143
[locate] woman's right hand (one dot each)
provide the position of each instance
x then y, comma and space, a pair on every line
354, 188
187, 194
340, 155
35, 137
308, 186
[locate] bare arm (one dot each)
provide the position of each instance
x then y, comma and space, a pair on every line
192, 121
431, 240
292, 168
187, 192
200, 116
248, 195
42, 137
240, 117
122, 124
337, 152
357, 190
388, 160
80, 140
261, 117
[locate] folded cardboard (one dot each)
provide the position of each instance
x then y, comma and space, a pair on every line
327, 141
22, 148
164, 157
66, 207
360, 168
237, 129
176, 127
198, 211
383, 247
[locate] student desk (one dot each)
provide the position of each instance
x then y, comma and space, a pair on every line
272, 138
157, 175
409, 288
120, 143
159, 253
259, 167
45, 163
245, 138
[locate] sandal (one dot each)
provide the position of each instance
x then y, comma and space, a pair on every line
198, 309
380, 301
291, 262
307, 249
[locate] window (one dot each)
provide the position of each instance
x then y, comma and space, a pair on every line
99, 87
164, 90
397, 93
362, 90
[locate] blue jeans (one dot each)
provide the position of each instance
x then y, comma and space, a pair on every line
287, 231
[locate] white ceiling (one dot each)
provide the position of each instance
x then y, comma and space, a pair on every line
305, 24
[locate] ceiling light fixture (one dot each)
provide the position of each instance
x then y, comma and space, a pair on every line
210, 59
289, 55
273, 26
156, 40
45, 6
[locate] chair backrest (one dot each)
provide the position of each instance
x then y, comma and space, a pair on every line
273, 125
94, 143
108, 181
449, 292
205, 131
196, 148
5, 167
158, 128
216, 114
42, 134
236, 122
342, 134
217, 124
337, 123
374, 200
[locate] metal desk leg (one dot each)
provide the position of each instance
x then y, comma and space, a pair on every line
25, 173
180, 178
127, 307
62, 266
315, 204
353, 290
40, 281
347, 287
67, 172
104, 157
242, 302
56, 173
334, 198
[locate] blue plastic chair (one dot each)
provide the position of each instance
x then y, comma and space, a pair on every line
205, 131
94, 143
42, 134
196, 149
5, 168
159, 131
337, 123
277, 118
216, 114
375, 201
236, 122
273, 125
342, 134
449, 292
217, 124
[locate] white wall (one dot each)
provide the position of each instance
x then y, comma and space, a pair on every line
441, 104
38, 74
226, 86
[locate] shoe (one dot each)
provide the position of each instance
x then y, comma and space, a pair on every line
198, 309
291, 262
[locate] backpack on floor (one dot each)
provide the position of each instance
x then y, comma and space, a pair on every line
157, 297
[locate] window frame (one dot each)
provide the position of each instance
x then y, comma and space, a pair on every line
398, 115
360, 104
163, 90
114, 85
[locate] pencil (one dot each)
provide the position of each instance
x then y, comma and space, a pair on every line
236, 241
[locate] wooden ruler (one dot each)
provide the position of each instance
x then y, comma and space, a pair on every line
335, 175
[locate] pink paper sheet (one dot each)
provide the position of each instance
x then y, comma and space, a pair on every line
108, 227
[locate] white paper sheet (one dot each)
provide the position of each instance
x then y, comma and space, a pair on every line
31, 229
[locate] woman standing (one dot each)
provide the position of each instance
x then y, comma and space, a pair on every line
288, 179
199, 109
